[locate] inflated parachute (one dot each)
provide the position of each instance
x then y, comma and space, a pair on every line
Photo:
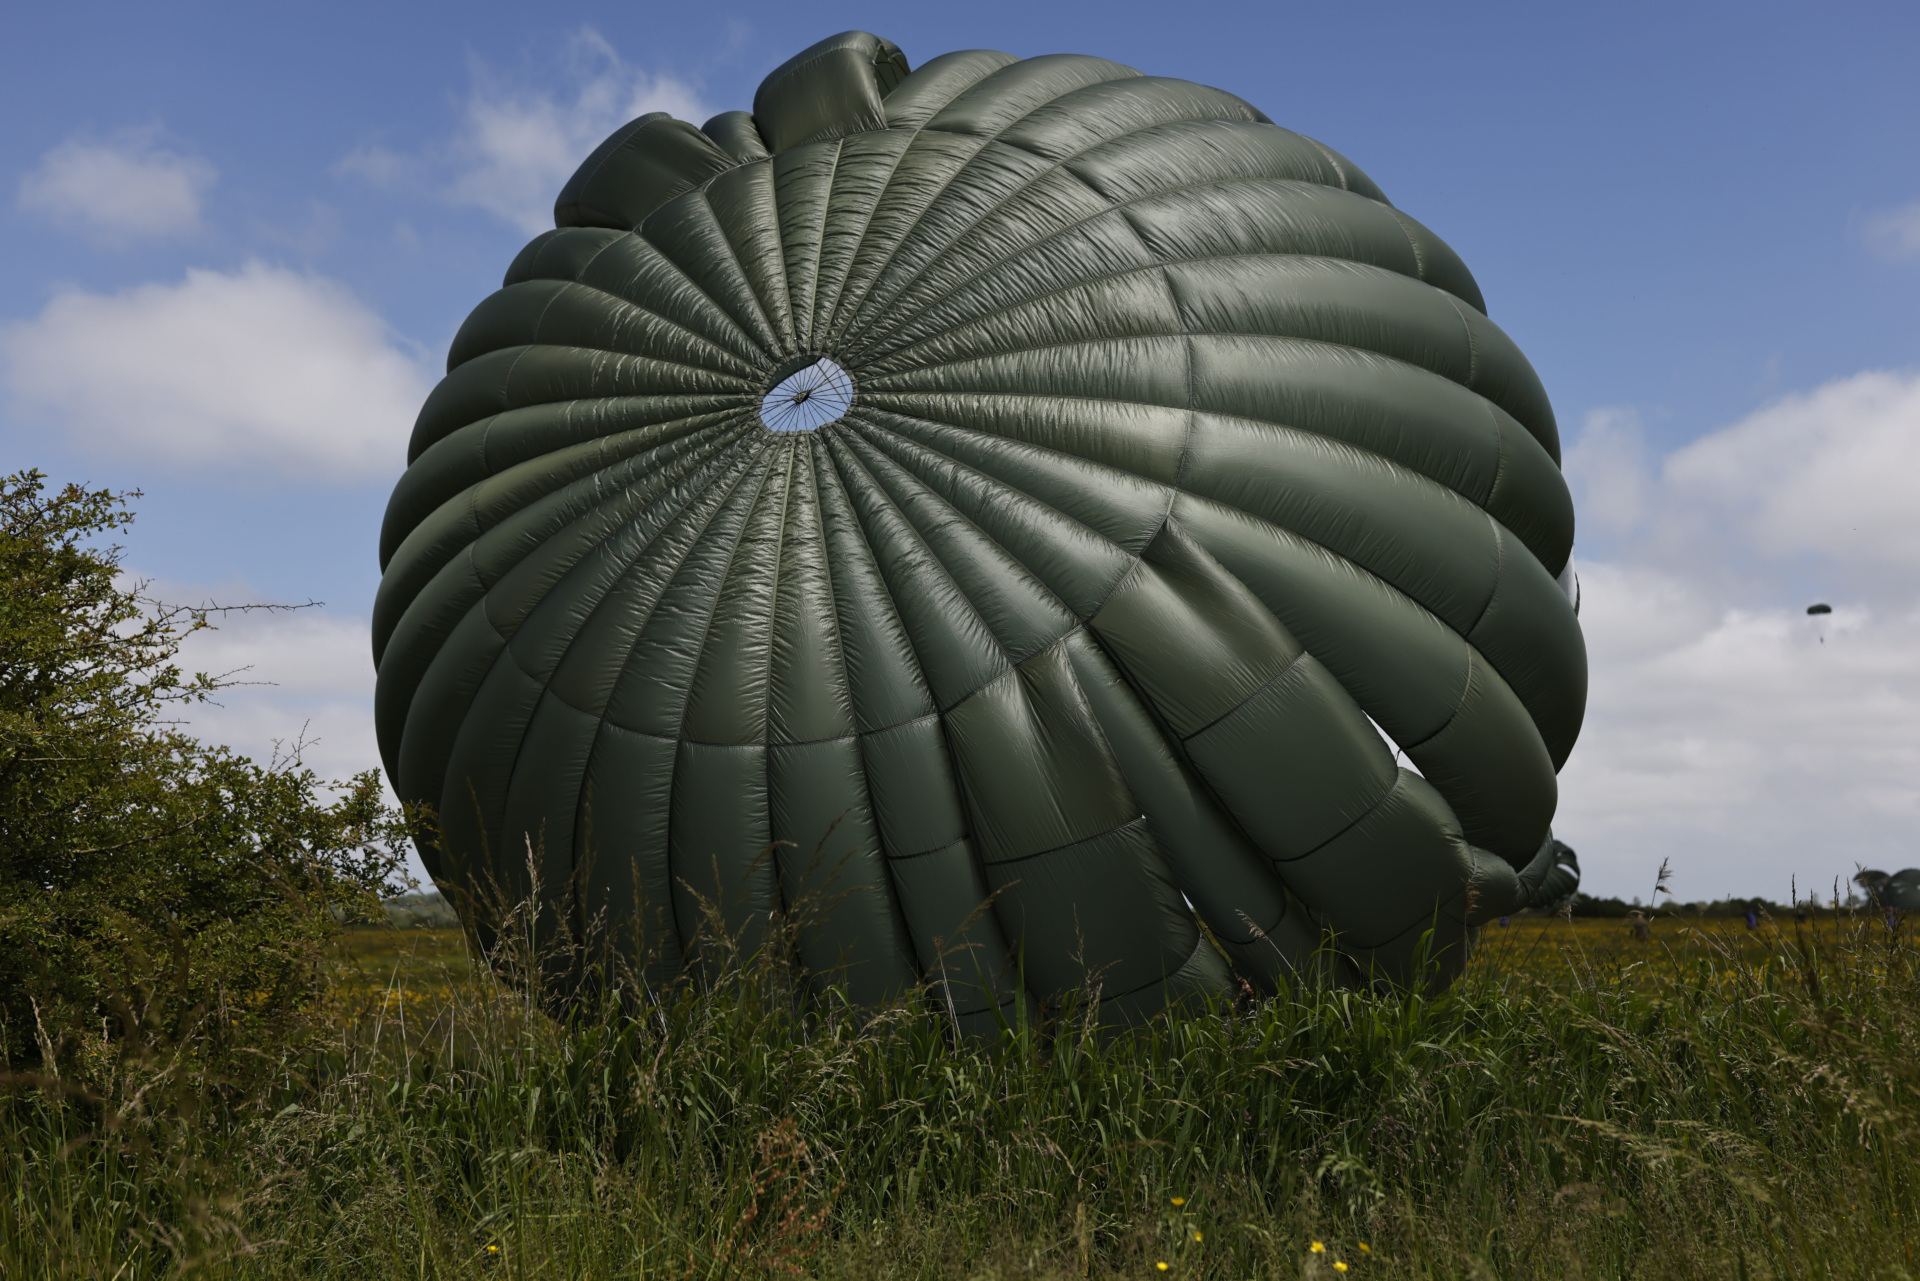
1062, 526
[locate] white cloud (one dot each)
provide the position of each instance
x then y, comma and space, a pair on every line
1607, 468
1830, 473
520, 145
258, 369
120, 190
1727, 730
1894, 233
302, 674
376, 164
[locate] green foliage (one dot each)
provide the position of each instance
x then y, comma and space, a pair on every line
157, 896
1679, 1116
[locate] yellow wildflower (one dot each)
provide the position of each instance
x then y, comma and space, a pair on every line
1161, 1266
493, 1249
1339, 1266
1179, 1201
1196, 1236
1365, 1248
1318, 1247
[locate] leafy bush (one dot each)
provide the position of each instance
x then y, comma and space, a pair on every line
154, 892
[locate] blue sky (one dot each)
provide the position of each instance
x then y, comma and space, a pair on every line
243, 235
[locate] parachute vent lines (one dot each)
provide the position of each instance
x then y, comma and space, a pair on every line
809, 398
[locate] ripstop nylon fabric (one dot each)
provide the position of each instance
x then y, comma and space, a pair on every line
1176, 456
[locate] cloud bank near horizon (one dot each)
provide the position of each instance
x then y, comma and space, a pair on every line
1727, 729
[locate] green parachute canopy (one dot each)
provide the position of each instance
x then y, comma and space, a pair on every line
1027, 509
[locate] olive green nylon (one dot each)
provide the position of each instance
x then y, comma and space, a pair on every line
1178, 590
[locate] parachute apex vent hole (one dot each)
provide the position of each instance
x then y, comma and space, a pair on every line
810, 397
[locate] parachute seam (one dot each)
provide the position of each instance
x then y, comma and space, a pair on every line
601, 717
957, 93
488, 473
1385, 582
540, 322
1163, 266
746, 278
833, 482
854, 736
908, 858
1110, 203
773, 597
1245, 116
1180, 314
1016, 444
1151, 336
997, 483
1133, 557
751, 452
546, 682
733, 259
1199, 945
833, 592
603, 720
1135, 821
913, 532
660, 255
840, 291
1358, 819
713, 608
820, 241
1186, 444
807, 279
1286, 670
1473, 346
651, 314
985, 142
1052, 596
779, 253
867, 301
1333, 162
1122, 206
1467, 686
486, 583
601, 462
1479, 504
526, 349
1499, 573
1413, 247
1360, 450
1500, 453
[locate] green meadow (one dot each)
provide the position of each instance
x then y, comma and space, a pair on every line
1707, 1102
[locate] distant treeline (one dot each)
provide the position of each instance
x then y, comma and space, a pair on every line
1588, 905
422, 911
432, 911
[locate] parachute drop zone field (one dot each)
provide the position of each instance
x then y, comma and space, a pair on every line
1009, 505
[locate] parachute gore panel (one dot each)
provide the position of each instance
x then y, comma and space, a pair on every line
1024, 510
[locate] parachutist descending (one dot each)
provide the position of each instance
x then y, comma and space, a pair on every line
980, 513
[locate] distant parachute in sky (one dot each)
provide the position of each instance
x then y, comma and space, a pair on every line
1819, 609
994, 503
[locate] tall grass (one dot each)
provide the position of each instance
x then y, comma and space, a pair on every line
1702, 1112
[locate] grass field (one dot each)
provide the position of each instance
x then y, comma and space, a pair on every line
1712, 1101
